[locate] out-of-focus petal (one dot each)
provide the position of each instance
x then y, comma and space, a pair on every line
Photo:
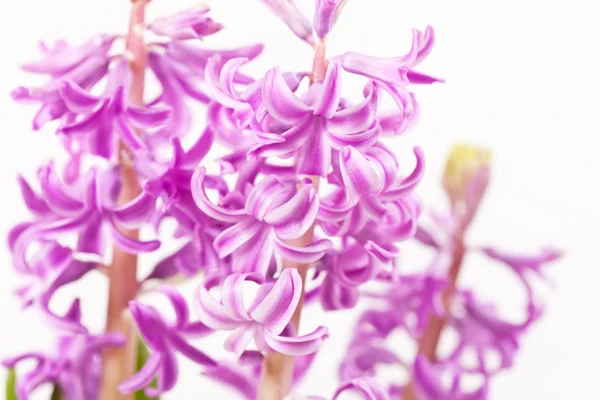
132, 246
144, 376
35, 203
191, 352
135, 212
148, 117
288, 12
76, 99
325, 16
192, 23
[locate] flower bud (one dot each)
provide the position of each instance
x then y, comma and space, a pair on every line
466, 178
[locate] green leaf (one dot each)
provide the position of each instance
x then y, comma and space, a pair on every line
142, 357
11, 383
56, 394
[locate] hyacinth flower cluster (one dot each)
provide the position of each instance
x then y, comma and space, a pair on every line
429, 303
307, 205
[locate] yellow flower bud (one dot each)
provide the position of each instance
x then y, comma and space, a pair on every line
466, 177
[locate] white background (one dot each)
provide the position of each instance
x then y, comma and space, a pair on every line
522, 79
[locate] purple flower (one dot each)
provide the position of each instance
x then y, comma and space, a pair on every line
412, 301
347, 268
85, 65
110, 113
52, 267
394, 75
317, 124
188, 24
180, 70
482, 332
274, 212
171, 181
287, 11
524, 265
265, 319
164, 339
363, 357
85, 209
75, 365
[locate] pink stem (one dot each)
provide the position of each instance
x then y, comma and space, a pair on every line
431, 337
119, 363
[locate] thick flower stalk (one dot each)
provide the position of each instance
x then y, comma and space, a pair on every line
307, 205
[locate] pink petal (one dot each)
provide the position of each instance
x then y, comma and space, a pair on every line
134, 213
132, 246
36, 204
88, 123
361, 140
167, 375
144, 376
92, 238
264, 194
278, 306
128, 135
234, 237
211, 312
206, 205
302, 255
335, 207
325, 16
358, 173
56, 194
239, 339
221, 86
179, 304
331, 92
255, 255
356, 118
370, 389
314, 156
148, 117
295, 217
282, 104
294, 137
191, 352
76, 99
409, 183
232, 292
299, 345
294, 18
